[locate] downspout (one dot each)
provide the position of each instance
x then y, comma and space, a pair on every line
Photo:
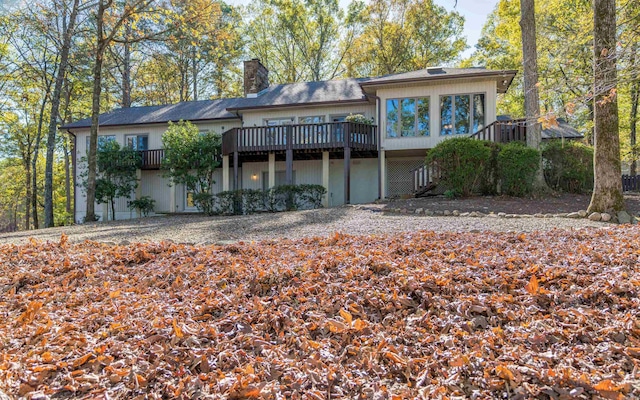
73, 166
378, 111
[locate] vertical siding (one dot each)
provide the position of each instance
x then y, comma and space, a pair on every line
256, 118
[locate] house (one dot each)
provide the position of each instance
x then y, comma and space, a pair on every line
297, 133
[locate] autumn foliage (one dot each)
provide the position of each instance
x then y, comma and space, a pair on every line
424, 315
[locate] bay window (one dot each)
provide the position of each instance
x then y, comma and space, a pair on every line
461, 114
408, 117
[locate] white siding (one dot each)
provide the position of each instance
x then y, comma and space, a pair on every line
488, 87
257, 117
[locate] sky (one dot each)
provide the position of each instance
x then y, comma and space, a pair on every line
475, 13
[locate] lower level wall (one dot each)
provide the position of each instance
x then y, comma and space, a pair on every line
364, 186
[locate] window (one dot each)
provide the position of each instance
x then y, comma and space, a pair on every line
461, 114
311, 120
137, 142
278, 121
408, 117
102, 139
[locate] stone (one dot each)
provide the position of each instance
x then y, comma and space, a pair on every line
582, 213
492, 215
538, 215
419, 210
605, 217
480, 322
429, 213
574, 215
465, 214
560, 215
446, 213
548, 215
595, 216
124, 243
511, 216
502, 215
624, 217
473, 214
455, 213
404, 211
109, 243
438, 213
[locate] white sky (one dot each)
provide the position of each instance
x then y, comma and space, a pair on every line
475, 13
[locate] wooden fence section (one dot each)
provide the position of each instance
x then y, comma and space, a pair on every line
503, 131
331, 135
631, 183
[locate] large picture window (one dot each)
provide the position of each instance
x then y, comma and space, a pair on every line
102, 140
408, 117
462, 114
137, 142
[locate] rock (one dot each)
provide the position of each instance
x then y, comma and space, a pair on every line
404, 211
475, 231
574, 215
624, 217
225, 242
605, 217
446, 213
465, 214
480, 322
473, 214
109, 243
582, 213
538, 215
595, 216
429, 213
124, 243
438, 213
419, 210
560, 215
548, 215
510, 215
492, 215
455, 213
502, 215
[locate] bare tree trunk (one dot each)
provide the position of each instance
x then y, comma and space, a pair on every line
27, 199
633, 117
34, 164
53, 118
607, 188
126, 68
194, 68
101, 46
530, 71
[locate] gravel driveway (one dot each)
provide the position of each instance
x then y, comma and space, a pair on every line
355, 220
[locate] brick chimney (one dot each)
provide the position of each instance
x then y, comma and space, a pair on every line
256, 77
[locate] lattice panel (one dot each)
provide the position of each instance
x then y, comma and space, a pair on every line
399, 176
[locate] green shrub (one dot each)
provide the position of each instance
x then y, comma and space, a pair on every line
311, 196
462, 162
252, 200
229, 202
144, 205
359, 119
490, 174
568, 166
517, 166
287, 195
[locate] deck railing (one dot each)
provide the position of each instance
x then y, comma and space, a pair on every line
425, 177
151, 159
503, 131
300, 137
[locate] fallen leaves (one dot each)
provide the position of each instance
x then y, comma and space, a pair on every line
420, 315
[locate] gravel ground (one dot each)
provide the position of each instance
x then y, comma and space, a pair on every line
355, 220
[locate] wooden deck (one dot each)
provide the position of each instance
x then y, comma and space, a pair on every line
321, 137
151, 159
503, 131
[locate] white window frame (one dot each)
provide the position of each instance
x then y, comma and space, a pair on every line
453, 113
415, 117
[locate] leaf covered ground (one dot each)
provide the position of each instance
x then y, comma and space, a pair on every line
422, 315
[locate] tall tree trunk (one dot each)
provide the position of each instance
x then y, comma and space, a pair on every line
530, 71
34, 163
633, 115
126, 68
95, 113
194, 68
607, 188
27, 199
53, 118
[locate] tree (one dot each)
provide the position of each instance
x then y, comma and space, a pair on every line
607, 190
68, 28
400, 36
530, 71
190, 158
116, 173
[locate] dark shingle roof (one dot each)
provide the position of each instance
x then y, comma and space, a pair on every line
336, 91
203, 110
446, 73
562, 130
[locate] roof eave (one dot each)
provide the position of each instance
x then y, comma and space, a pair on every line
298, 105
511, 73
151, 123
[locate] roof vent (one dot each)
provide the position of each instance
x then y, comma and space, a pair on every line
435, 70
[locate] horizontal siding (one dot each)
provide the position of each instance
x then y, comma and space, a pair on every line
256, 118
488, 87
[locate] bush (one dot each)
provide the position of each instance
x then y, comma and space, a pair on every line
144, 205
287, 196
252, 200
517, 166
568, 166
462, 164
359, 119
311, 195
227, 202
